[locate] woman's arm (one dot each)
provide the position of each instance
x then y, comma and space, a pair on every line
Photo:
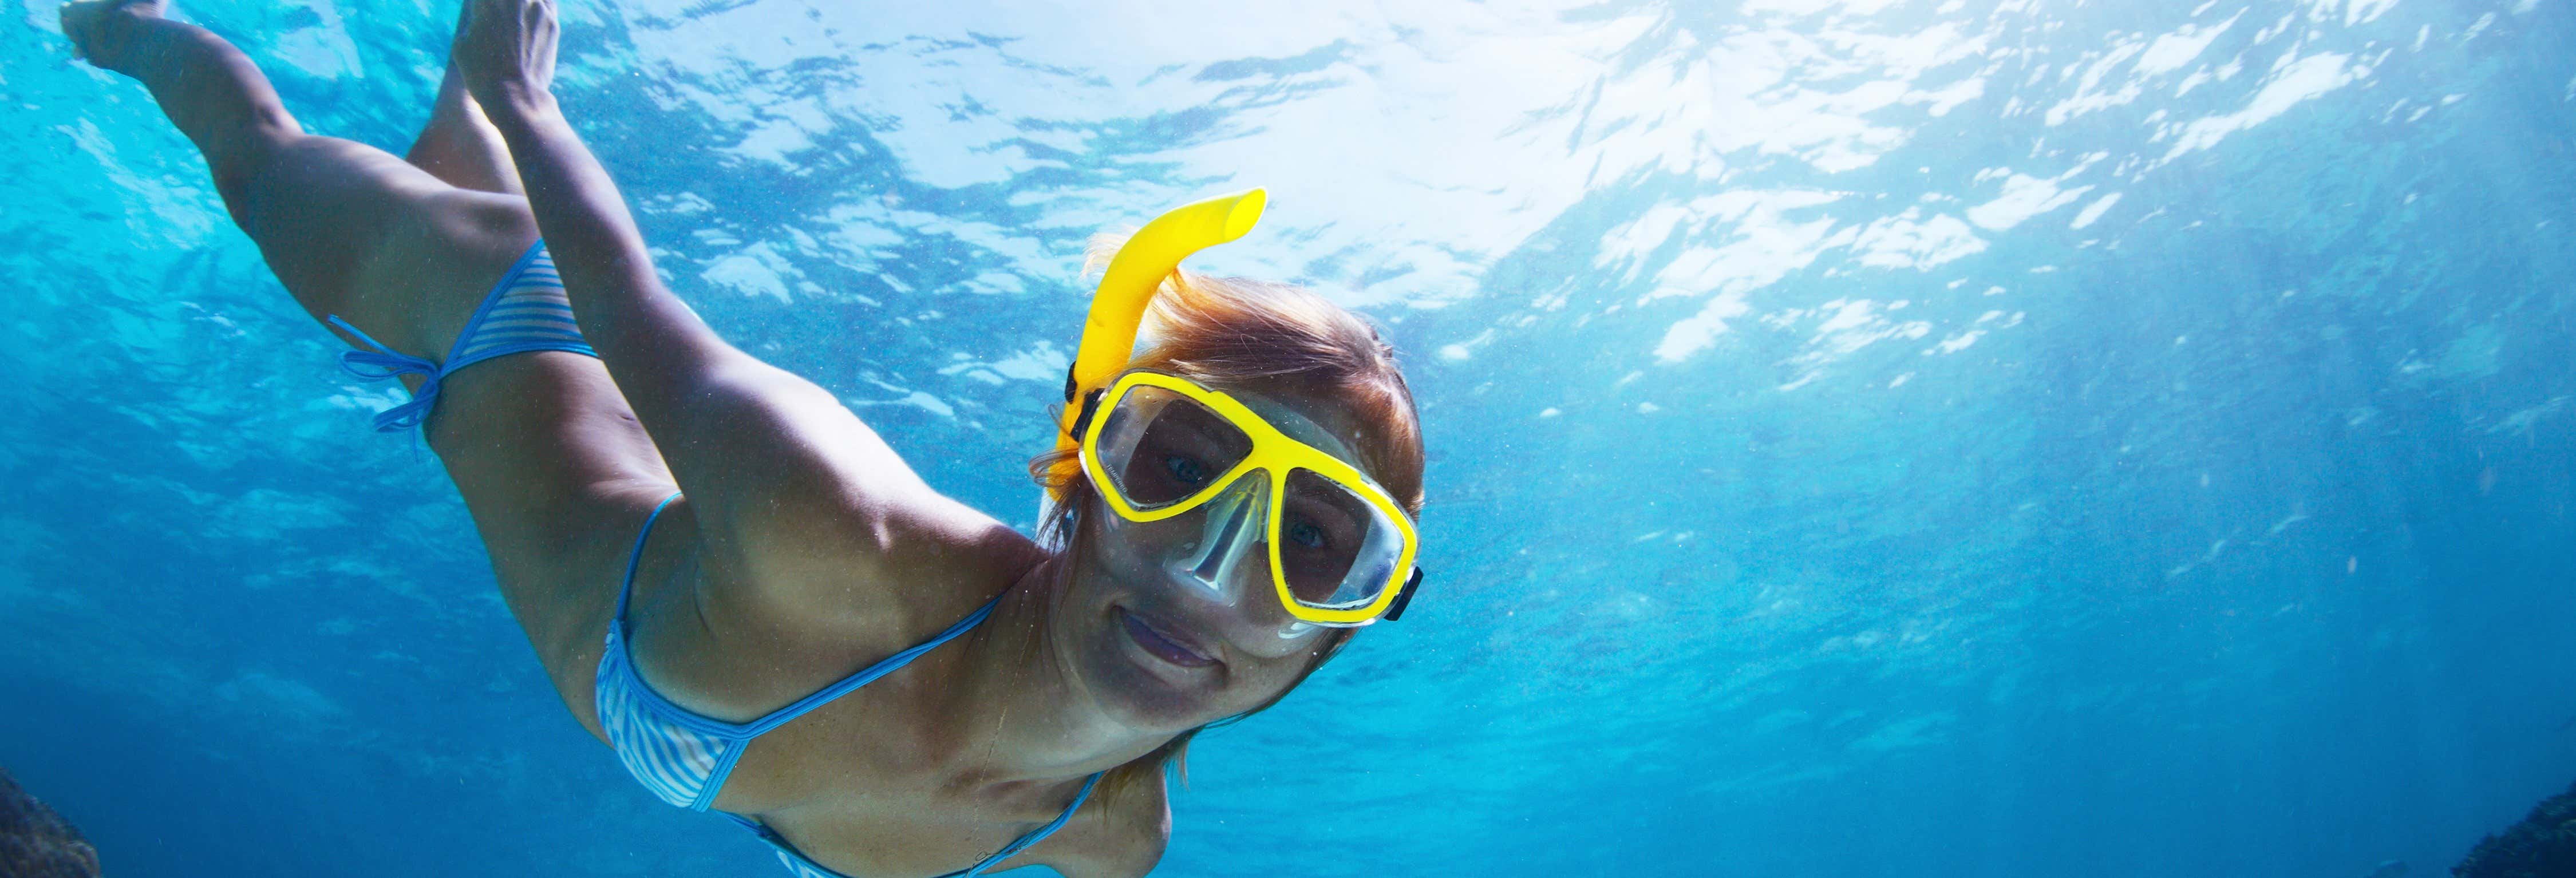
789, 486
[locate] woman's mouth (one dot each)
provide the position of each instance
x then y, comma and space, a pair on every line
1163, 646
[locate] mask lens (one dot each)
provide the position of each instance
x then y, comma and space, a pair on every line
1160, 448
1336, 550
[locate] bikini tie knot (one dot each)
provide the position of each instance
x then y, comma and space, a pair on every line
385, 363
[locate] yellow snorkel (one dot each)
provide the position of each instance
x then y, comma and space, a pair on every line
1134, 276
1372, 577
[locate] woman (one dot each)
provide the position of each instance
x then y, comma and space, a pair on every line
737, 585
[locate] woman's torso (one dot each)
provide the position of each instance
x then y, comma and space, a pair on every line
870, 783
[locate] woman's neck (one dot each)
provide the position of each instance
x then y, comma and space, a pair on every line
1019, 710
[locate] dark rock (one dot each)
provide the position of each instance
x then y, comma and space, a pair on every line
35, 842
2543, 845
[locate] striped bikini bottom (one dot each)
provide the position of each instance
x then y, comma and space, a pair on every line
526, 311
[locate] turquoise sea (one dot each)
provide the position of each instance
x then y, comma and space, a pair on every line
1869, 437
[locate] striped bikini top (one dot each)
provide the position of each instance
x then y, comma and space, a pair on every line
683, 757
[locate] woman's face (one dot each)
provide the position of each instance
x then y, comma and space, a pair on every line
1164, 655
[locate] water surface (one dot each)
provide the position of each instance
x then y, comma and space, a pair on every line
1952, 437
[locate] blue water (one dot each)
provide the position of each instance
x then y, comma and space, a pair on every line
1947, 437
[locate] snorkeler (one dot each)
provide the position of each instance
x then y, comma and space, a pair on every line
735, 583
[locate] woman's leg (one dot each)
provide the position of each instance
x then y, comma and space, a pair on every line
347, 228
460, 146
547, 454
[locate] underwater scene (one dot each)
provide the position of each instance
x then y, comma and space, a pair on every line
2119, 438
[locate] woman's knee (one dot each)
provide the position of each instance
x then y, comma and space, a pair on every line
242, 164
313, 233
354, 231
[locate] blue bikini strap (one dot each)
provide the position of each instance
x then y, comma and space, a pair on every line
788, 851
827, 694
383, 363
636, 557
1038, 834
868, 674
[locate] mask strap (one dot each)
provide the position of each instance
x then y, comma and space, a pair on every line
1090, 407
1395, 610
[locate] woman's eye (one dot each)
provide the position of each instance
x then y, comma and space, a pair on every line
1305, 533
1185, 469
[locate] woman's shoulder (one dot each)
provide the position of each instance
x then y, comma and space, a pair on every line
751, 627
881, 569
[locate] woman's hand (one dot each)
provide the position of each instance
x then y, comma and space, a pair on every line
505, 51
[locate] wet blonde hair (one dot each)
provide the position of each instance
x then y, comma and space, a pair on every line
1242, 334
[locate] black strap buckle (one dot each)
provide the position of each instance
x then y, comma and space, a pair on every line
1395, 611
1090, 404
1090, 407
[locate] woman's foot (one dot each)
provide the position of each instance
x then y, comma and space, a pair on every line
102, 31
208, 88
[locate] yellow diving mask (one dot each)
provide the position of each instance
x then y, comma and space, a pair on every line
1339, 548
